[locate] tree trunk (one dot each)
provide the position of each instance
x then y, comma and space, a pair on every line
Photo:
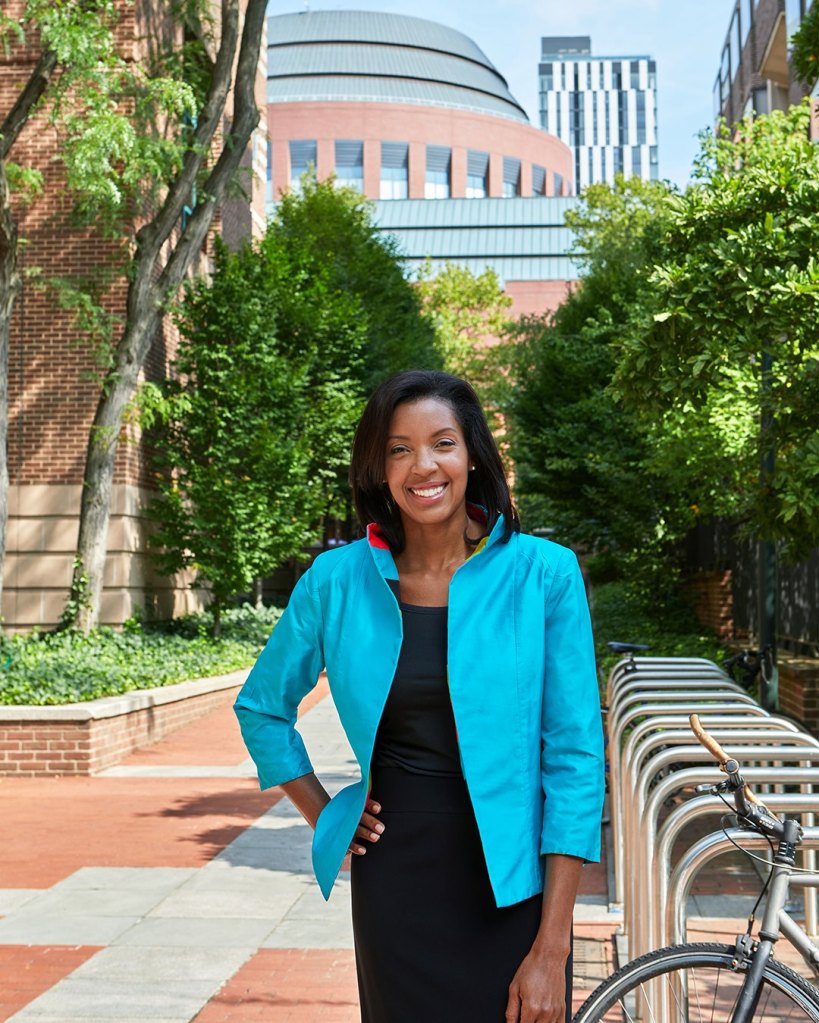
152, 284
9, 289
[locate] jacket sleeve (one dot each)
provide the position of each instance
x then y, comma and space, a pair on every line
286, 670
572, 767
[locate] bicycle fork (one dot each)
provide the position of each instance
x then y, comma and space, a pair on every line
769, 931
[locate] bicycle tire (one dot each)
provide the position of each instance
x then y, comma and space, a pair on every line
712, 990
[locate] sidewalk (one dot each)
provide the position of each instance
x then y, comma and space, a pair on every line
169, 889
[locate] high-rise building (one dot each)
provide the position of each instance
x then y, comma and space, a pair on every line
755, 74
603, 108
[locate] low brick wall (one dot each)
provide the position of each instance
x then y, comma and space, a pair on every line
799, 690
84, 738
711, 598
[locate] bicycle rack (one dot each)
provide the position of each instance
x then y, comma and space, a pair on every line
735, 703
647, 806
655, 885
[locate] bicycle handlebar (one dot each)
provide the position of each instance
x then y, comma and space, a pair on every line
748, 805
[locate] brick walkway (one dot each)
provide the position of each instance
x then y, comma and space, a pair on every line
171, 890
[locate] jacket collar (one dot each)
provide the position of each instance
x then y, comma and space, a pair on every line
382, 554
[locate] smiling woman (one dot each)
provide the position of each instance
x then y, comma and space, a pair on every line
460, 659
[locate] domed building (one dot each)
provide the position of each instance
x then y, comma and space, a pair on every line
415, 116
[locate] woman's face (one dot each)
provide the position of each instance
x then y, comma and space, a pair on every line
427, 463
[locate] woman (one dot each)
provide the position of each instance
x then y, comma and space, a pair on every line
460, 659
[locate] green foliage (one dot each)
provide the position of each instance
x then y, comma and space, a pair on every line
121, 125
582, 462
330, 230
468, 312
805, 48
271, 375
737, 278
627, 613
66, 667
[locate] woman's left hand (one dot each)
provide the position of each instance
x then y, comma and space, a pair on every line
537, 993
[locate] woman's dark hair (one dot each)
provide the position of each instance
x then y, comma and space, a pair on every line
486, 485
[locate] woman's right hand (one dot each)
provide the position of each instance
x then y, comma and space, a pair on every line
369, 829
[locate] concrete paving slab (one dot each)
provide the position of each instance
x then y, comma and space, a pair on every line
24, 928
175, 932
78, 998
158, 879
262, 902
312, 933
84, 902
11, 899
132, 963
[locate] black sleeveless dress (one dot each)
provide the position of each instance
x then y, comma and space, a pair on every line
431, 946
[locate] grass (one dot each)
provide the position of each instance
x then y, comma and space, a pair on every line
67, 667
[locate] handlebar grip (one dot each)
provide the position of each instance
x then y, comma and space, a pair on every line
711, 744
727, 763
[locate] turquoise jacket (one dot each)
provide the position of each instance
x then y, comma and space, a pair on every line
522, 681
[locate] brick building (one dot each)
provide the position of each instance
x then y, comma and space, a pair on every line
417, 117
755, 75
54, 380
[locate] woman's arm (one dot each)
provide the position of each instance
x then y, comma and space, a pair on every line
538, 990
310, 797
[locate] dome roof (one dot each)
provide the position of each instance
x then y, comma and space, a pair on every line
373, 57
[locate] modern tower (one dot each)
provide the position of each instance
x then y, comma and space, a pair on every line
603, 108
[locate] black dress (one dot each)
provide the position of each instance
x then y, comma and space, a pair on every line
431, 945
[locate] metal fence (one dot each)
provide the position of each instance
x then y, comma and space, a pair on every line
715, 547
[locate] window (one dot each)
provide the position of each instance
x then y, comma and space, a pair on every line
725, 75
622, 114
607, 139
302, 160
268, 192
654, 163
602, 67
558, 184
438, 178
652, 75
394, 170
793, 15
618, 159
511, 177
641, 118
350, 164
617, 75
477, 174
734, 43
538, 179
635, 74
547, 76
717, 98
746, 17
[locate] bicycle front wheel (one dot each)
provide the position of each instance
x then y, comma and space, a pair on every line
696, 983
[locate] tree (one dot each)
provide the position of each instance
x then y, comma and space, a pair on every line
161, 254
469, 314
255, 426
278, 349
723, 360
582, 461
74, 71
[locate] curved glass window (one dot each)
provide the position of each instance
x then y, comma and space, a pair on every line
302, 159
394, 170
477, 174
350, 164
511, 177
438, 179
538, 179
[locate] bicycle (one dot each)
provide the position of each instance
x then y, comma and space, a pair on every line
740, 983
751, 665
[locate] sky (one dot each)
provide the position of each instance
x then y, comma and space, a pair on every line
684, 36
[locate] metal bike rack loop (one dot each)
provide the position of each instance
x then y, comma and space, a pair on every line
640, 840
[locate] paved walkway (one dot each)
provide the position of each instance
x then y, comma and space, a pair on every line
169, 889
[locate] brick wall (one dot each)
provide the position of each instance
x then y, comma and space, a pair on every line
710, 596
799, 690
54, 378
55, 745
